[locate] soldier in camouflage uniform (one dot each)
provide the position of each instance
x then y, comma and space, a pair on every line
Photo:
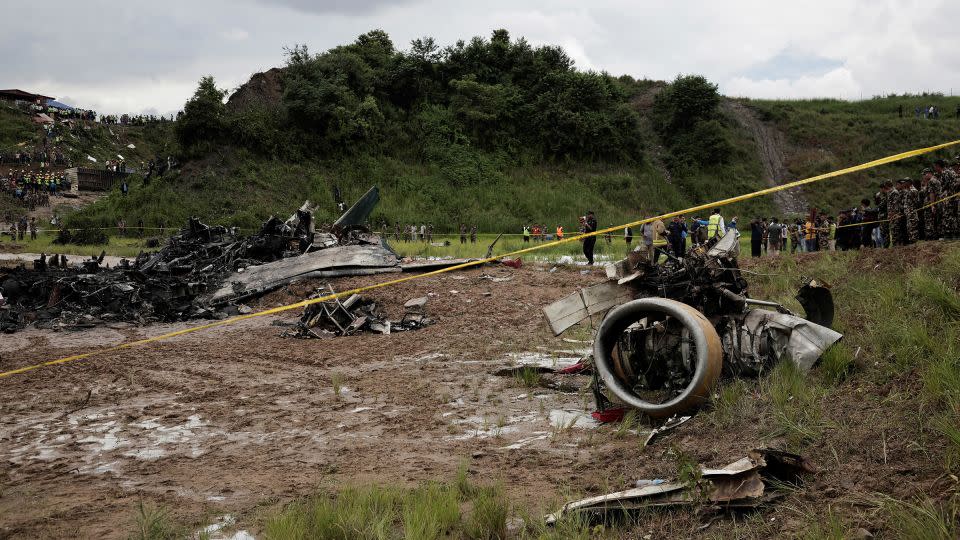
911, 202
949, 228
883, 211
823, 232
930, 192
895, 211
949, 210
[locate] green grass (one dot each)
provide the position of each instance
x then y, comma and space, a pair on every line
155, 523
731, 404
828, 134
795, 410
336, 381
922, 520
118, 246
836, 364
433, 510
830, 527
528, 377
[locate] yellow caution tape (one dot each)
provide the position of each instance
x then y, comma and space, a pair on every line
573, 238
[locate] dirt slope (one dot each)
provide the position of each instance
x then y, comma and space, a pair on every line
770, 144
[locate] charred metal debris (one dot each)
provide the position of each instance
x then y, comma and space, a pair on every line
355, 315
670, 330
202, 272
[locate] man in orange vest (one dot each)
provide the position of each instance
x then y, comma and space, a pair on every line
559, 232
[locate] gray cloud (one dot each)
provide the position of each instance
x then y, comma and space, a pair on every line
353, 7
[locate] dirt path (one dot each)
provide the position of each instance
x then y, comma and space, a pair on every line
770, 144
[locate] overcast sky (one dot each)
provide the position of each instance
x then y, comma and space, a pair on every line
147, 56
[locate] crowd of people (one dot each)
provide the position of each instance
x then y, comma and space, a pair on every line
32, 189
901, 213
21, 227
42, 156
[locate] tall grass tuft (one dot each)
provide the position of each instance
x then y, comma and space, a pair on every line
796, 406
930, 288
528, 377
432, 511
154, 523
488, 518
922, 520
836, 364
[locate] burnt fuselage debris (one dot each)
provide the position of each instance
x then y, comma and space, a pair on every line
355, 315
201, 272
671, 329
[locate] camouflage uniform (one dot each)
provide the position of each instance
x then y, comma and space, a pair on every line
931, 217
949, 209
911, 201
882, 215
895, 214
823, 235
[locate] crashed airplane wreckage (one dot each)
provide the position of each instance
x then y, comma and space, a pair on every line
672, 329
202, 272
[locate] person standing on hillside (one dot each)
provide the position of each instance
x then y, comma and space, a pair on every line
652, 233
473, 234
764, 236
810, 232
773, 237
930, 192
911, 202
895, 214
676, 235
715, 225
589, 226
559, 232
881, 200
756, 237
793, 234
949, 209
627, 235
823, 231
526, 234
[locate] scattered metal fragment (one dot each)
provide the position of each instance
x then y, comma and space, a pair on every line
671, 424
747, 483
354, 315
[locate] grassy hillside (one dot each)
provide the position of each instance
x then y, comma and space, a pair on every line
240, 188
499, 134
88, 139
824, 135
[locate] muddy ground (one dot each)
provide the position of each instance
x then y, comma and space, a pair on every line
224, 421
239, 420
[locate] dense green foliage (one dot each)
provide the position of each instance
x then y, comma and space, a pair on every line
497, 95
202, 123
687, 117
